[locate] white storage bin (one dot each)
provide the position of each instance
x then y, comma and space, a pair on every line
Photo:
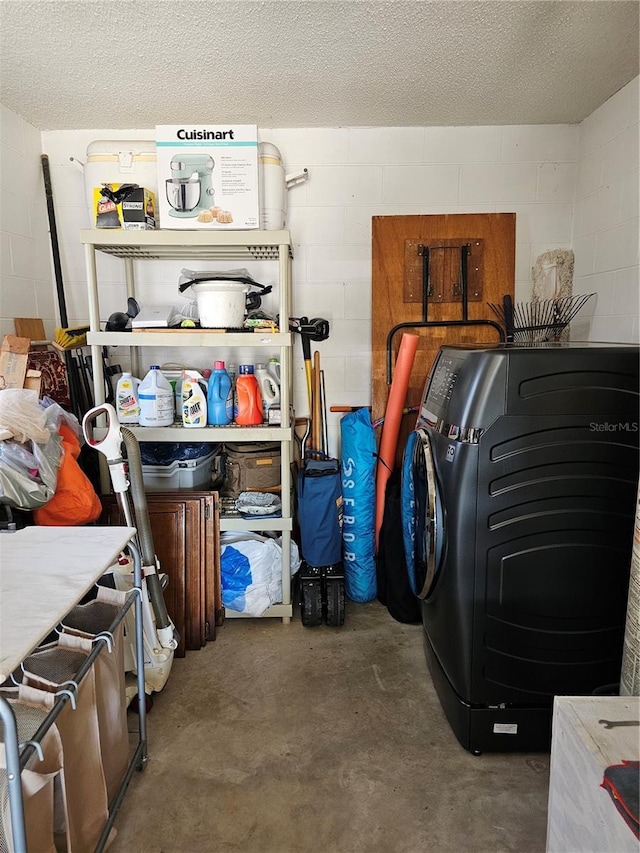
191, 474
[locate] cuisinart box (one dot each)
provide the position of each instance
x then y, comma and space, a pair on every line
208, 176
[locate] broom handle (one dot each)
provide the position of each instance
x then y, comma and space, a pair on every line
317, 403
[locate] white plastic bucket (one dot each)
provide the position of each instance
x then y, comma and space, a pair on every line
221, 304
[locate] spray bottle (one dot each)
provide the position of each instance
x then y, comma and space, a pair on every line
194, 400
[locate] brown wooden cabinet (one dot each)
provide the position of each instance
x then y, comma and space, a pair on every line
185, 528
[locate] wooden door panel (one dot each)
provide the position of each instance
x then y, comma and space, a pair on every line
185, 530
210, 589
167, 519
194, 558
395, 298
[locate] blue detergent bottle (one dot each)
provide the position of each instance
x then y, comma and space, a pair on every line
217, 394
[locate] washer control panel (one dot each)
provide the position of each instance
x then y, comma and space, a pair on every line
443, 381
437, 397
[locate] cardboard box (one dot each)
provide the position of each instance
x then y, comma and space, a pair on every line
13, 361
208, 176
33, 381
136, 211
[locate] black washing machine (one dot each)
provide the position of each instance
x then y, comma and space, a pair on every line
520, 490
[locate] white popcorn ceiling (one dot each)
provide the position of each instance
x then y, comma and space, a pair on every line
72, 64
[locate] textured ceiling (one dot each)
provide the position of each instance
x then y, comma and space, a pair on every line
71, 64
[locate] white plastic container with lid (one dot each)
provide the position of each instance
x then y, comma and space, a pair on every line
155, 395
221, 304
116, 161
273, 188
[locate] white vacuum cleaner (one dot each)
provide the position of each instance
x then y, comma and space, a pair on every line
159, 633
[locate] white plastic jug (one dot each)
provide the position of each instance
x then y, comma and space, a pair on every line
274, 369
127, 403
156, 399
194, 400
269, 388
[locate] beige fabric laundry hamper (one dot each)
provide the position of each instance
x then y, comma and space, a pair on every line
84, 791
37, 780
80, 627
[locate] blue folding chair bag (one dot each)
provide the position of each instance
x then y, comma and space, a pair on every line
320, 511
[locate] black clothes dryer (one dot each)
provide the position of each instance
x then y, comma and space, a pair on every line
524, 471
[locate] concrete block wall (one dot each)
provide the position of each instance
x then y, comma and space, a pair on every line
570, 186
606, 224
354, 174
26, 276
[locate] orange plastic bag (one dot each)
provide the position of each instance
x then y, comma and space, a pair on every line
75, 501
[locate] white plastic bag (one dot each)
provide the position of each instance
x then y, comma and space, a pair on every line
251, 571
29, 472
22, 415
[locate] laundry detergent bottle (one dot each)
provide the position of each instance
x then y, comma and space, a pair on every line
156, 399
232, 399
127, 403
194, 400
249, 397
218, 391
274, 369
269, 388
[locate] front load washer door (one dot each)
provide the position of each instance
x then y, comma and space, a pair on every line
428, 533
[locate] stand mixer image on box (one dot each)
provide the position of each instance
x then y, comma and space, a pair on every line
190, 187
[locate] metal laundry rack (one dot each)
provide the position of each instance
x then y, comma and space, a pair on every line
46, 619
427, 292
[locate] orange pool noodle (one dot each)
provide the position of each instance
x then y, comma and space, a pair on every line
392, 419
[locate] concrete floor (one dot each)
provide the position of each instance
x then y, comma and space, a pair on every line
282, 739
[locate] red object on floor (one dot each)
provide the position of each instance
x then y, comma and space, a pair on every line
622, 783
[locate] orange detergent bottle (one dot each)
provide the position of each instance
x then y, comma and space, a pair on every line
249, 397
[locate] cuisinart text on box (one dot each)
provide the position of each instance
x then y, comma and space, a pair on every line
208, 176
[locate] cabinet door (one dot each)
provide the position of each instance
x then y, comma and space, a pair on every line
168, 519
184, 526
211, 591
